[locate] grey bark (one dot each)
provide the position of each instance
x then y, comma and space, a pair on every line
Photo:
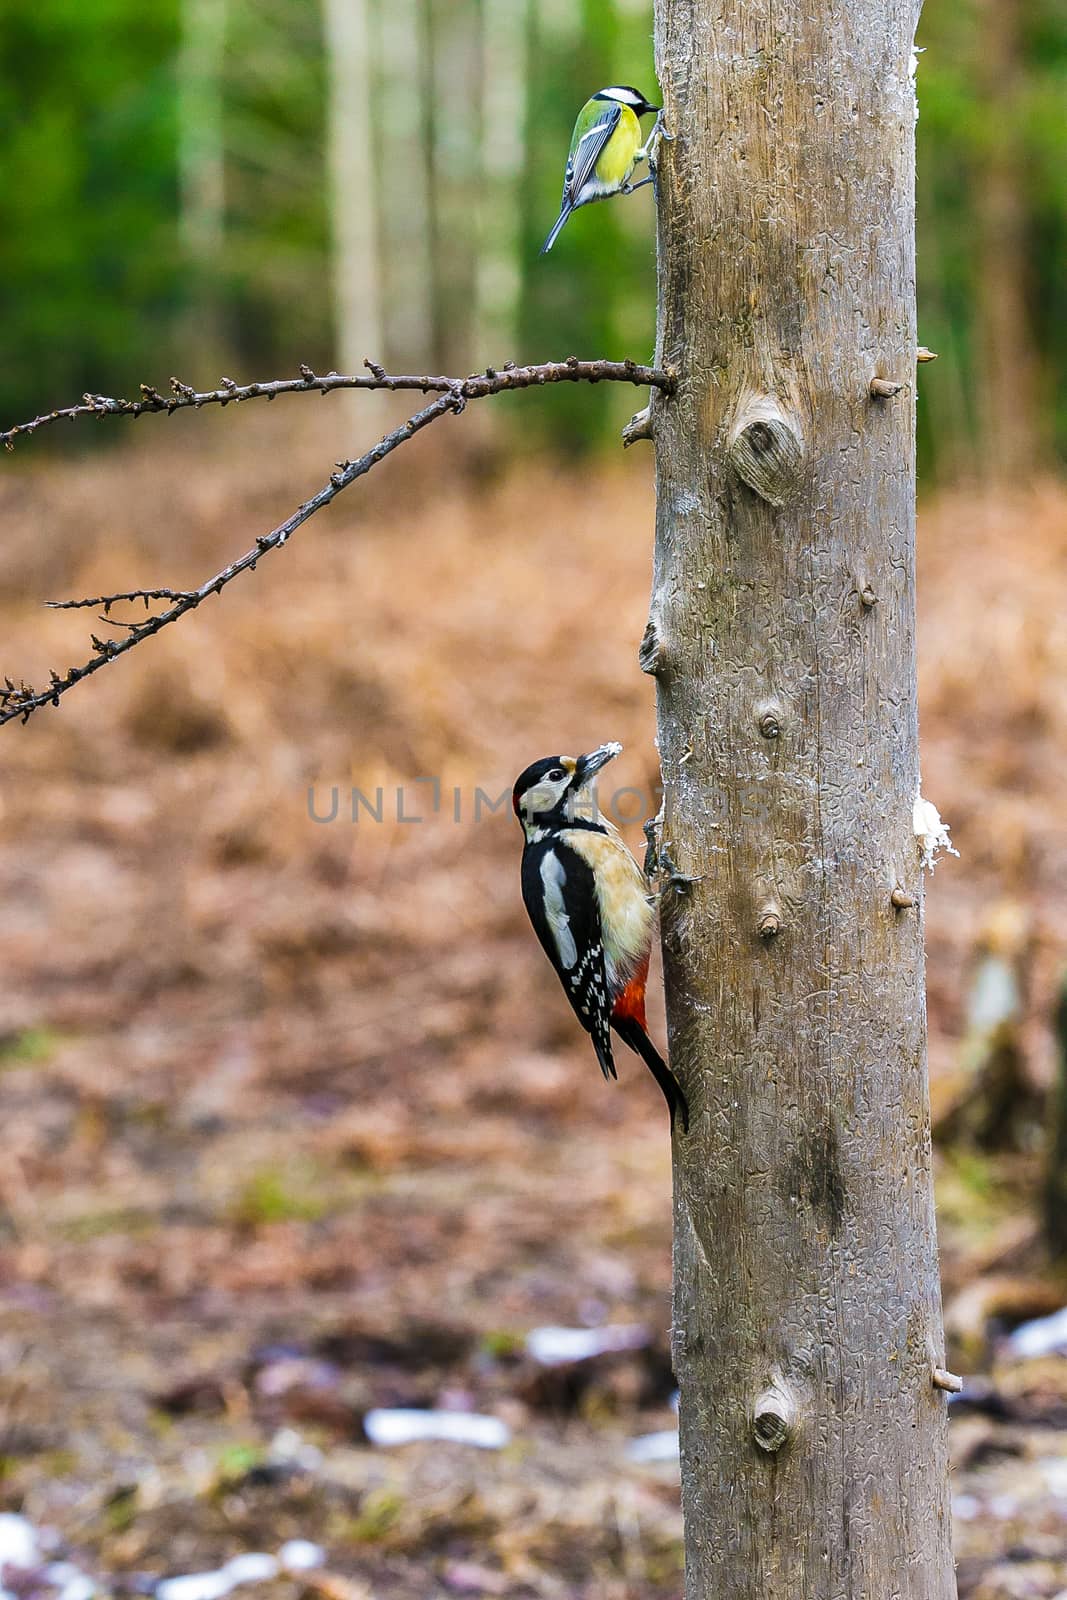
807, 1320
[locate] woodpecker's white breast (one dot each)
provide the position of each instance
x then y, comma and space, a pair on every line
626, 914
553, 878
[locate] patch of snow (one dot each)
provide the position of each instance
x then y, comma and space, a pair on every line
913, 71
1054, 1471
931, 832
403, 1426
71, 1583
19, 1543
289, 1449
557, 1347
300, 1555
661, 1446
1046, 1336
195, 1586
253, 1566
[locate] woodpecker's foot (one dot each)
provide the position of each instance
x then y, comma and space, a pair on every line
681, 882
651, 833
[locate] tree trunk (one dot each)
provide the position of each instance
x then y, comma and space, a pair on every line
202, 168
782, 637
498, 285
1056, 1188
454, 38
1009, 408
408, 265
353, 192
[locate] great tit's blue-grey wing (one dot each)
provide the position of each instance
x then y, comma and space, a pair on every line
588, 150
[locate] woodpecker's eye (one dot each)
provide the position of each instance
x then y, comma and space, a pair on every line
556, 774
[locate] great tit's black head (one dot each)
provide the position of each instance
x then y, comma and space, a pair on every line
549, 786
626, 95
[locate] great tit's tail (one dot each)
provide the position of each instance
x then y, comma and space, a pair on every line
556, 228
631, 1032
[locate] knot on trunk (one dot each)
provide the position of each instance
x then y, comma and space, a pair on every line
765, 450
774, 1417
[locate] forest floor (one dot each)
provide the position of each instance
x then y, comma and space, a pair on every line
296, 1123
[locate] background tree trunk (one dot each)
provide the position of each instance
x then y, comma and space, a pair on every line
1010, 416
202, 166
498, 273
1056, 1187
353, 191
403, 165
782, 636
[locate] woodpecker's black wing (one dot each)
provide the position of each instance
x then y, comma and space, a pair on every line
587, 152
560, 896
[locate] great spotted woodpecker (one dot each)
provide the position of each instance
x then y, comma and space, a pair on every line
591, 908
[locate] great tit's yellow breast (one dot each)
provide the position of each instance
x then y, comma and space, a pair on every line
617, 158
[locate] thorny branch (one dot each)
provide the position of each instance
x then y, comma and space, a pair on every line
476, 387
21, 701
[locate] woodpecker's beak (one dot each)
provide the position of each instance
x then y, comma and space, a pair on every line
587, 767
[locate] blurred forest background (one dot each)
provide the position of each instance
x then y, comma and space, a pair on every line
176, 177
297, 1125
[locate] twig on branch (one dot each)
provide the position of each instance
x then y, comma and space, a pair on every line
109, 600
21, 701
492, 381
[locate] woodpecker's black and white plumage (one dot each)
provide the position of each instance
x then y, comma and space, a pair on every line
591, 908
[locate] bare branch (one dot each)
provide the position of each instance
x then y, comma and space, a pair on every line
21, 701
476, 387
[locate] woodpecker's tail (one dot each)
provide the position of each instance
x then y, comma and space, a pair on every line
557, 227
602, 1046
631, 1032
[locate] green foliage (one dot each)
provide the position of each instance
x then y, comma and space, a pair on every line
30, 1047
273, 1195
379, 1512
88, 274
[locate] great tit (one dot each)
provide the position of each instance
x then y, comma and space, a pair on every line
605, 148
